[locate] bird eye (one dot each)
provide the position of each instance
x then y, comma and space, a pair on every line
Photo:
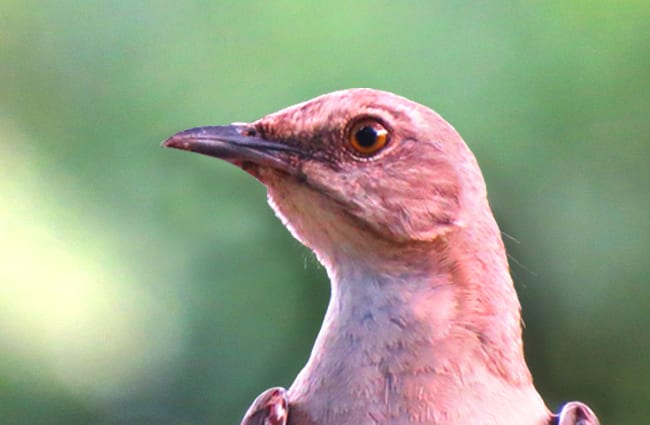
367, 137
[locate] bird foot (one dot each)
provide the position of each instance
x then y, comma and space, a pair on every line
575, 413
269, 408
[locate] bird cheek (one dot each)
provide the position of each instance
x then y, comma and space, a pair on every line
397, 227
399, 218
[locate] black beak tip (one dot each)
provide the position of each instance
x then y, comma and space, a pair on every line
190, 139
175, 142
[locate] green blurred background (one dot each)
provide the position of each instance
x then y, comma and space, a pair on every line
148, 286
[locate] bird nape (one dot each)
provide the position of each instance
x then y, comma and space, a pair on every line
423, 324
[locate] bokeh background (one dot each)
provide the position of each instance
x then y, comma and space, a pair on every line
147, 286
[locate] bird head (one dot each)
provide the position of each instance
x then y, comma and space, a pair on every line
353, 165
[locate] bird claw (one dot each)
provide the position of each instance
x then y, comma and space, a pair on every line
269, 408
575, 413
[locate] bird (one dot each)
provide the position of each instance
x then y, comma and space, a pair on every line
423, 325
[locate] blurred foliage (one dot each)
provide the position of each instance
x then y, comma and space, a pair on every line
140, 285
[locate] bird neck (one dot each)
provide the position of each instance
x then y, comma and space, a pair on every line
433, 315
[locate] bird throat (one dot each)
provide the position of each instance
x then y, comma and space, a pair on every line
411, 337
408, 326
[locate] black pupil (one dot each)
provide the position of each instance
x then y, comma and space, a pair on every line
366, 136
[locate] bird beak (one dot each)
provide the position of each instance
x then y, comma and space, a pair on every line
238, 144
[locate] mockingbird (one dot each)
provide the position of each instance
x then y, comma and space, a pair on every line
423, 324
